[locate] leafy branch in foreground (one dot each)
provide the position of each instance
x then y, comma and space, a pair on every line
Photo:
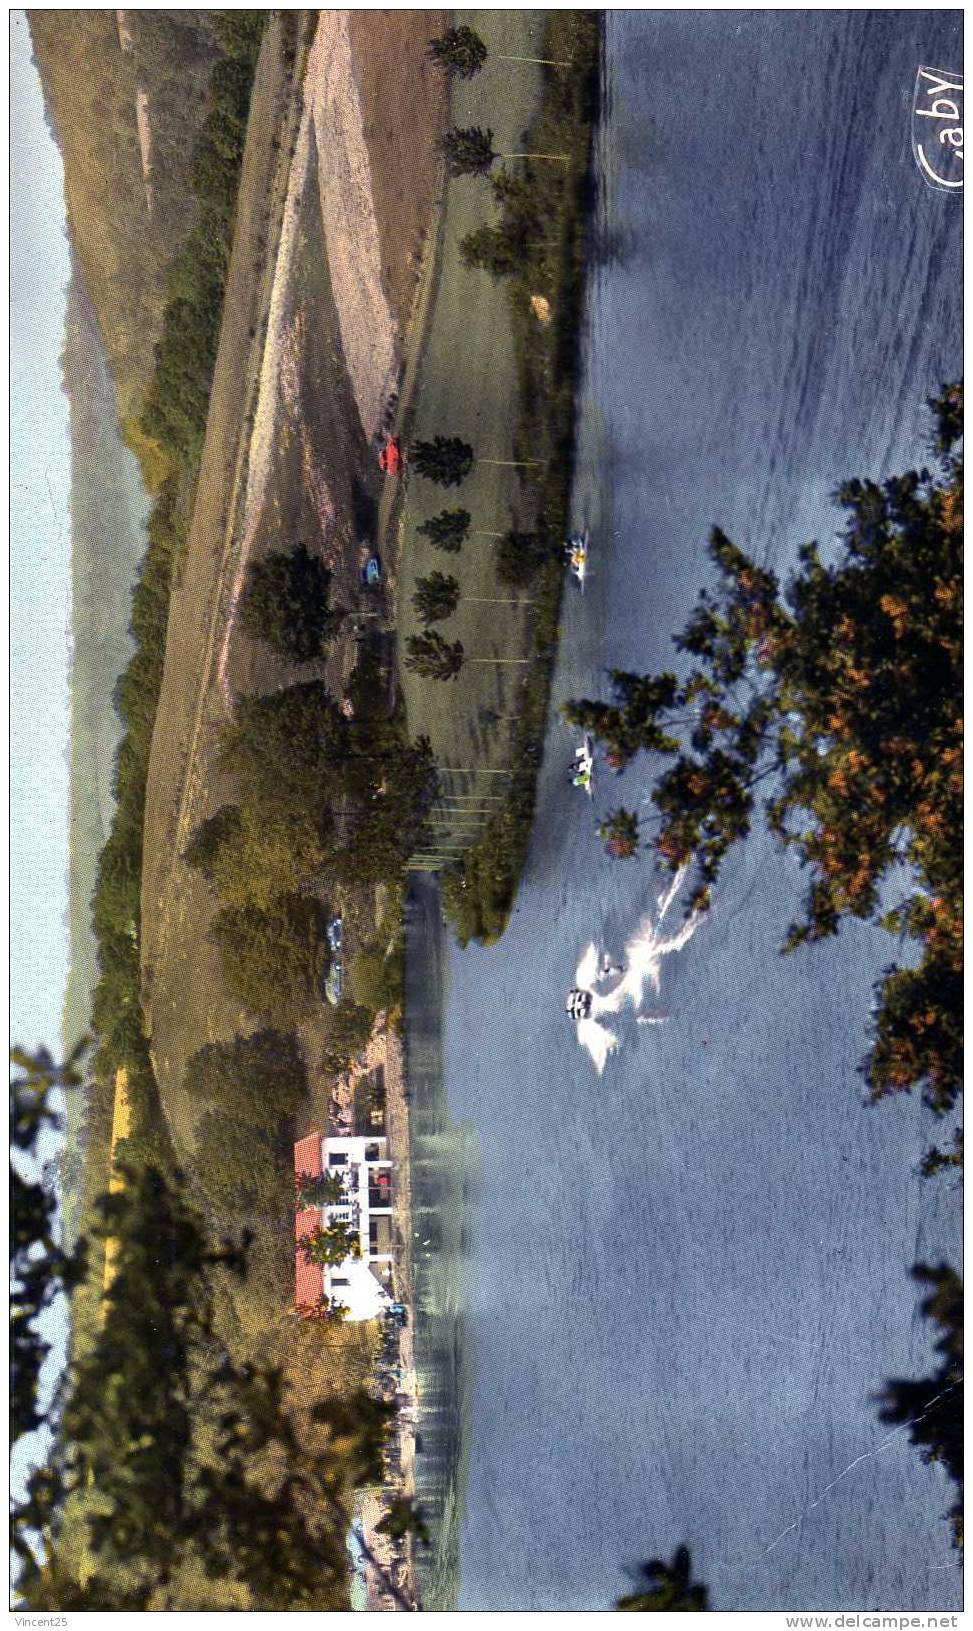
667, 1588
184, 1468
843, 695
932, 1407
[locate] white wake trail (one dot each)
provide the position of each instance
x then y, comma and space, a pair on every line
644, 955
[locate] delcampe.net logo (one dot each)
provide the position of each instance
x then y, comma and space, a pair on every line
937, 128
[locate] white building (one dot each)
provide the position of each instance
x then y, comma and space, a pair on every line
362, 1284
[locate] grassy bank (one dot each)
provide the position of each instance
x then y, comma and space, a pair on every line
479, 891
193, 308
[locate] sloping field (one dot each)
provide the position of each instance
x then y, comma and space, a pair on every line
288, 457
467, 387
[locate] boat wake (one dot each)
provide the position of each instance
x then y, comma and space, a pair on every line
644, 955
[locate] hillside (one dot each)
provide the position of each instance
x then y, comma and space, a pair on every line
117, 86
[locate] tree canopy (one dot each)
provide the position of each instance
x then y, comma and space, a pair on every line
274, 961
842, 695
436, 597
260, 1078
286, 748
469, 151
459, 50
183, 1467
433, 657
447, 530
285, 603
446, 460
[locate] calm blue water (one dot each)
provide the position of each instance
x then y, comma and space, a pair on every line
654, 1307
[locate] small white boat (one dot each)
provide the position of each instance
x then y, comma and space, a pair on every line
577, 553
583, 767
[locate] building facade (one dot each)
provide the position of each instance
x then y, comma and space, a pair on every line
361, 1284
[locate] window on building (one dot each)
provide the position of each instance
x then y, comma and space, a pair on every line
371, 1152
338, 1158
339, 1280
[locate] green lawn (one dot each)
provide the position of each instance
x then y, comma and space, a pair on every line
468, 387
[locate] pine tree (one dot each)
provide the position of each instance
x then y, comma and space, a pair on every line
446, 460
436, 597
433, 657
469, 151
460, 51
447, 530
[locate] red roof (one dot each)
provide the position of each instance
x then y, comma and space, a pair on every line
307, 1157
308, 1277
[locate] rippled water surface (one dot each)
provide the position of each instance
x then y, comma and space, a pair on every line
655, 1304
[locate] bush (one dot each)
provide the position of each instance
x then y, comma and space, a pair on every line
376, 977
520, 556
348, 1034
274, 961
260, 1078
285, 604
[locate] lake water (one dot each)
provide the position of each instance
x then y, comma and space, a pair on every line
655, 1306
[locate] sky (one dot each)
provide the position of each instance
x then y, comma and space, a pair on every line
40, 599
40, 552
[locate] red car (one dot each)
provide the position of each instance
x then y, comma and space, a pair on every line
390, 460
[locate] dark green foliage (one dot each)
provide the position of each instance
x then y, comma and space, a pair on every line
259, 1079
938, 1159
619, 833
348, 1033
184, 1465
287, 748
315, 1191
242, 1167
433, 657
404, 1518
211, 838
459, 50
520, 556
469, 151
285, 603
845, 689
668, 1588
274, 961
447, 530
446, 460
377, 977
331, 1244
436, 597
506, 248
479, 893
390, 818
40, 1268
177, 400
932, 1407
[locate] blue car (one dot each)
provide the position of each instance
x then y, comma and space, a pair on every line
371, 572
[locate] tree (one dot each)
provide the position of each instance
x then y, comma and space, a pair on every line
403, 1518
932, 1407
460, 51
845, 690
433, 657
285, 603
331, 1245
242, 1167
260, 1078
446, 460
468, 151
274, 961
436, 597
317, 1190
287, 748
447, 530
178, 1462
520, 556
668, 1588
251, 856
504, 248
619, 833
349, 1029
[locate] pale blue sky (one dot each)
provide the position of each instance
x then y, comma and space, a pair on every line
40, 552
40, 602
